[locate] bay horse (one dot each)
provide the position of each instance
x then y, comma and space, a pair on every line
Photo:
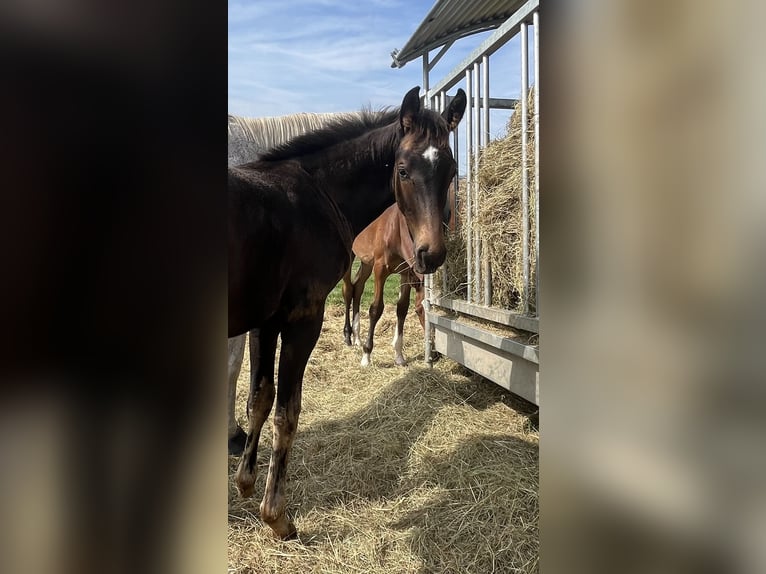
383, 248
292, 218
248, 139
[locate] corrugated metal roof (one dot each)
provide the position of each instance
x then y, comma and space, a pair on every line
449, 20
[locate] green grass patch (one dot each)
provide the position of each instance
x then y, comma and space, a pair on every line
390, 291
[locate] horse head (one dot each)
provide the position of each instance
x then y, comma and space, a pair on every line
423, 171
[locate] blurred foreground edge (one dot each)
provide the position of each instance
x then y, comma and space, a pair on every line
652, 216
113, 290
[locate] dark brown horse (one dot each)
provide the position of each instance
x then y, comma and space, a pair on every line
383, 248
248, 139
293, 215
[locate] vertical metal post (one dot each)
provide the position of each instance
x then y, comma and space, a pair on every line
456, 182
536, 23
485, 97
476, 151
469, 187
456, 152
524, 169
428, 338
485, 105
442, 107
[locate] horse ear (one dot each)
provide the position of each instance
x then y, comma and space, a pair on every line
410, 109
454, 112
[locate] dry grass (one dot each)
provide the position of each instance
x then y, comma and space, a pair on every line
396, 470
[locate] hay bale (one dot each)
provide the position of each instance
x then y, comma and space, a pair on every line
498, 219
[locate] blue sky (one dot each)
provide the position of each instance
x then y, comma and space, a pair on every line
290, 56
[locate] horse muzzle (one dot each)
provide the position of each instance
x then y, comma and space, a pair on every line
428, 260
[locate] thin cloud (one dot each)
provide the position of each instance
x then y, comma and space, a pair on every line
329, 55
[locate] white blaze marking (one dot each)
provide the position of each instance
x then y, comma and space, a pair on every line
431, 153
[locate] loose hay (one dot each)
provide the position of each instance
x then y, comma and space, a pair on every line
396, 470
450, 279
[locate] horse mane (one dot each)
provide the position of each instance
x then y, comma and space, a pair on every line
339, 128
269, 132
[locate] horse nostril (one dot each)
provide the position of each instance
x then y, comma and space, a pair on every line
420, 254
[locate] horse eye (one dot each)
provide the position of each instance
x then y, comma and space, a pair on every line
402, 173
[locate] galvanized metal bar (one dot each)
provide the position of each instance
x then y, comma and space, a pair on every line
487, 275
439, 55
469, 186
528, 352
442, 106
429, 330
502, 103
494, 103
524, 169
495, 41
536, 24
456, 181
489, 356
495, 314
478, 292
485, 97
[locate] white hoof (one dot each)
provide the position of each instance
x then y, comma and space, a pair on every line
365, 360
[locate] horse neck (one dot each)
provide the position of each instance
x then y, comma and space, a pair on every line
357, 174
405, 246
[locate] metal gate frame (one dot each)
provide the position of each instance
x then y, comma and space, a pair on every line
512, 365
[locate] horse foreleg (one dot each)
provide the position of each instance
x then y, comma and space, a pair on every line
376, 310
348, 295
419, 295
236, 355
402, 306
298, 340
263, 345
361, 280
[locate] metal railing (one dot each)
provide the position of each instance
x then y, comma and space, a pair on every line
475, 72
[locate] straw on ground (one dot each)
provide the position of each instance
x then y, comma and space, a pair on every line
396, 469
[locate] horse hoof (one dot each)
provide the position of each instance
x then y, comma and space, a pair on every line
365, 360
284, 530
400, 362
292, 534
237, 442
245, 484
244, 479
